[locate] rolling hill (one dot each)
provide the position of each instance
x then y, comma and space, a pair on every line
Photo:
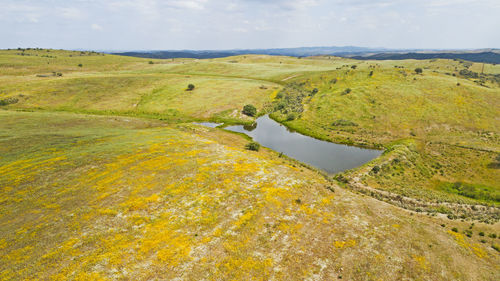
103, 175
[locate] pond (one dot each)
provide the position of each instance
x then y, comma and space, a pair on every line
327, 156
208, 124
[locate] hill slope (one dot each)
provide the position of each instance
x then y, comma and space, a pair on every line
102, 175
120, 198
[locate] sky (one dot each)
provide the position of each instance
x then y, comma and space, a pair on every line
249, 24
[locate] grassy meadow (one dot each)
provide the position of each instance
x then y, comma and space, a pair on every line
103, 175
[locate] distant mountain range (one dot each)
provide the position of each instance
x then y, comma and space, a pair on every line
487, 56
361, 53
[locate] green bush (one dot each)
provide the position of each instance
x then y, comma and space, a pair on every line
80, 65
454, 229
341, 178
252, 146
190, 87
346, 91
481, 233
249, 110
343, 122
290, 117
8, 101
496, 247
418, 70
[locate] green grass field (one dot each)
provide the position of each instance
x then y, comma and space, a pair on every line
104, 176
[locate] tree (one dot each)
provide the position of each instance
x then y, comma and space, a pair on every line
190, 87
249, 110
418, 70
253, 146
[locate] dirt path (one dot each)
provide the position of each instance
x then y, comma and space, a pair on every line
474, 212
293, 76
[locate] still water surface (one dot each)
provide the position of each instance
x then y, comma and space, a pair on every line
327, 156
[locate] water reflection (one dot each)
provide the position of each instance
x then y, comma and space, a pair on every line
208, 124
330, 157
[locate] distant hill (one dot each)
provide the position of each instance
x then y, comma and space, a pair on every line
488, 56
293, 52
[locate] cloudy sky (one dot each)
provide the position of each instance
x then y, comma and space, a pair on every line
229, 24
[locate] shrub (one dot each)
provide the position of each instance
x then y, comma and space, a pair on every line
481, 233
190, 87
290, 117
249, 110
346, 91
151, 62
8, 101
454, 229
496, 247
468, 73
341, 178
80, 65
376, 169
418, 70
252, 146
371, 73
314, 91
354, 66
280, 106
492, 235
343, 122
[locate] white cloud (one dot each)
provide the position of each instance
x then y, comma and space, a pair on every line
218, 24
95, 26
71, 13
192, 4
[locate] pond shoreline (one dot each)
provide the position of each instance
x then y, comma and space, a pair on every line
327, 156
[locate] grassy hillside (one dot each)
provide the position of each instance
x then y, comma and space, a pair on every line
450, 113
451, 122
95, 198
103, 175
